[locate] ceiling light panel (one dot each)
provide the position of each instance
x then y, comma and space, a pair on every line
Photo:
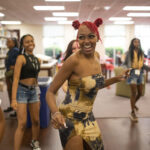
107, 7
62, 0
10, 22
55, 19
124, 22
66, 14
2, 15
137, 8
49, 7
138, 14
120, 18
65, 22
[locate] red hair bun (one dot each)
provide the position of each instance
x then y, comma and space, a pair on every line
76, 24
98, 22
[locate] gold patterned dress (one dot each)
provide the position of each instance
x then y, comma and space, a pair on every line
77, 110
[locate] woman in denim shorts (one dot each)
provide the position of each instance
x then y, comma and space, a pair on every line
135, 61
24, 92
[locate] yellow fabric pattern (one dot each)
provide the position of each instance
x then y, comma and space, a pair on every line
77, 110
137, 64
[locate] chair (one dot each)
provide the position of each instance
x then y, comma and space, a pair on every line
122, 88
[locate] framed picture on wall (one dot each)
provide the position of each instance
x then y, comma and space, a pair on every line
15, 33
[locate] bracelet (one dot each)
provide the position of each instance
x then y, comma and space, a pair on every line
53, 115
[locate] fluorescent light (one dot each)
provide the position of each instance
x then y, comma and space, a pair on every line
49, 7
107, 7
138, 14
10, 22
65, 22
1, 14
55, 19
120, 18
66, 14
124, 22
62, 0
138, 8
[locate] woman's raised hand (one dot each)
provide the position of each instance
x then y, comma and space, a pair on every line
124, 75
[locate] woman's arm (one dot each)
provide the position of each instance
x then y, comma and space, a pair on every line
116, 79
19, 62
63, 74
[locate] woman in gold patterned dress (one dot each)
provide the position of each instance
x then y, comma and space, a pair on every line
74, 117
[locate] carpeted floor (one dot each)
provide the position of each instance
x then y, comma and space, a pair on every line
108, 105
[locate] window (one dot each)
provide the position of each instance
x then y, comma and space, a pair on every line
143, 33
53, 40
114, 36
114, 41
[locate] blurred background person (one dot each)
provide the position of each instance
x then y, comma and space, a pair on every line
135, 61
73, 47
12, 45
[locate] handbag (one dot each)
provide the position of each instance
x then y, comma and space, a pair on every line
9, 73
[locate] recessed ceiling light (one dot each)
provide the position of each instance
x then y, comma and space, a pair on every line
138, 8
107, 7
120, 18
138, 14
2, 15
65, 22
62, 0
124, 22
55, 19
10, 22
66, 14
49, 7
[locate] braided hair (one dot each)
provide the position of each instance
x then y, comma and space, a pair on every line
132, 48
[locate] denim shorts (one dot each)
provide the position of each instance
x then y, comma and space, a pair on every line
25, 95
134, 78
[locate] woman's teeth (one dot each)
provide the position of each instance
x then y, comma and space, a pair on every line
87, 46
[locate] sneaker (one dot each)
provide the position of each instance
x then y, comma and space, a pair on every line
35, 145
8, 109
133, 117
13, 115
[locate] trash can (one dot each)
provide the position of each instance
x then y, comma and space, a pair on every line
43, 83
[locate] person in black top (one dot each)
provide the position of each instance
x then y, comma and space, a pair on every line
10, 61
24, 92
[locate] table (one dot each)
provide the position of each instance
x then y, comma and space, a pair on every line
48, 67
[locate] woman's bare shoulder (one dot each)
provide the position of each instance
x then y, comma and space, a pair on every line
97, 54
21, 58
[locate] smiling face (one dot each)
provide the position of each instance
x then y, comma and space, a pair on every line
87, 40
28, 44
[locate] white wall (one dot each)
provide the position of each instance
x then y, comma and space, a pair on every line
70, 34
35, 30
129, 35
